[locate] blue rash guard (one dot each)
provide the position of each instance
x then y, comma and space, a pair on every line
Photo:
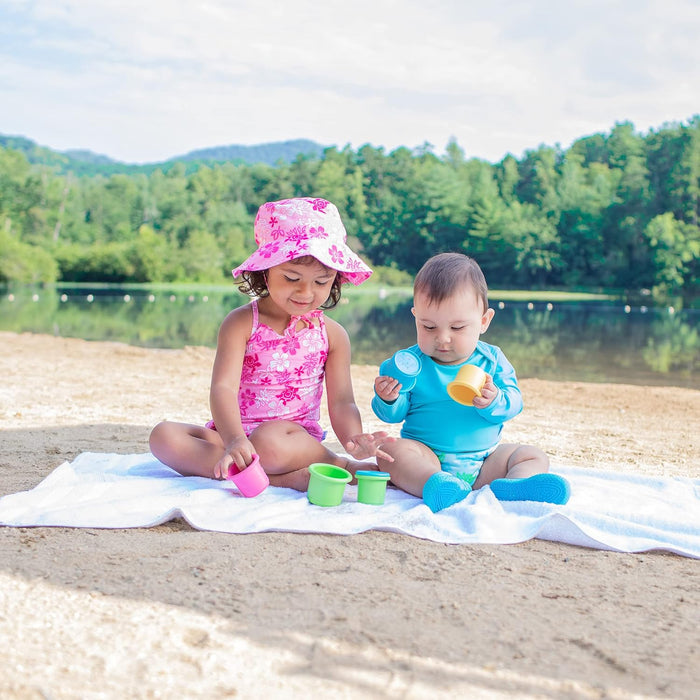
431, 417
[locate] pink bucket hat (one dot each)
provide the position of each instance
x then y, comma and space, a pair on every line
292, 228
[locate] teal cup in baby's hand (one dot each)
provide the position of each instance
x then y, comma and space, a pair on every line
404, 366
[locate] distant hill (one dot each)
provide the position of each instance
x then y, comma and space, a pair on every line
269, 153
89, 157
84, 162
34, 152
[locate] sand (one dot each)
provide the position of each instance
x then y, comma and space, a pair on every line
173, 612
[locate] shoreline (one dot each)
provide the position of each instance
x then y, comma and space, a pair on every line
166, 610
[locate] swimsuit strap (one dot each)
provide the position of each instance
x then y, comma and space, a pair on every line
307, 319
293, 320
254, 307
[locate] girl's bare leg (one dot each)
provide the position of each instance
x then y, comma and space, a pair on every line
286, 449
191, 450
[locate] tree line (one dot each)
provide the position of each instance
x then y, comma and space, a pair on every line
614, 211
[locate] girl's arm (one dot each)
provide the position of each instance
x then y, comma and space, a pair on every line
343, 412
225, 382
342, 409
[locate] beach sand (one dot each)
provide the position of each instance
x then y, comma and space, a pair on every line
173, 612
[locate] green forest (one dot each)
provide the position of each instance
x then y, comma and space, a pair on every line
615, 212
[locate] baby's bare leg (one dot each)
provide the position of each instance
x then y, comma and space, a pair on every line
512, 462
191, 450
520, 473
413, 464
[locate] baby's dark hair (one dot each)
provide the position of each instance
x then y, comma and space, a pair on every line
444, 274
255, 283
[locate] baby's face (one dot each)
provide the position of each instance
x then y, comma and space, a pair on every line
450, 330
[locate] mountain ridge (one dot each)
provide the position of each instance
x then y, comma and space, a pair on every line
86, 162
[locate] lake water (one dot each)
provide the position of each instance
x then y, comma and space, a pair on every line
568, 341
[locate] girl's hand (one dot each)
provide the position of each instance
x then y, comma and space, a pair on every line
387, 388
369, 445
488, 393
240, 450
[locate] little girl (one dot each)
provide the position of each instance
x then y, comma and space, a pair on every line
273, 354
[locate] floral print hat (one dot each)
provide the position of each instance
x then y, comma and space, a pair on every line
292, 228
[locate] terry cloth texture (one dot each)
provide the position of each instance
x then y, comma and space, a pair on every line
607, 510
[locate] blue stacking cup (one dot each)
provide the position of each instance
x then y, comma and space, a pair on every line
404, 366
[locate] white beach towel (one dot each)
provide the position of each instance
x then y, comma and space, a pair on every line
607, 510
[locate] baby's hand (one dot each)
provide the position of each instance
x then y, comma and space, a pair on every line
387, 388
369, 445
488, 393
240, 450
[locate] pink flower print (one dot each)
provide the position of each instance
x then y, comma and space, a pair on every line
313, 343
251, 362
288, 393
274, 221
284, 377
274, 409
297, 233
319, 232
264, 400
313, 362
279, 362
290, 345
320, 205
261, 342
246, 398
336, 255
251, 365
269, 250
296, 251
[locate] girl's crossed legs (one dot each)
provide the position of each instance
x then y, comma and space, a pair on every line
285, 449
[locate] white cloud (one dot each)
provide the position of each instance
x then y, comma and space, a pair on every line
144, 81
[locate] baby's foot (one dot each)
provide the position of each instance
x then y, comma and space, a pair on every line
545, 488
443, 490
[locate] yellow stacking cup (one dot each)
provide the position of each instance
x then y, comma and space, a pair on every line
467, 384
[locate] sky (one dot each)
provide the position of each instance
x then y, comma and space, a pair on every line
146, 80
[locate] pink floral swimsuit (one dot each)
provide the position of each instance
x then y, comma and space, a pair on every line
282, 377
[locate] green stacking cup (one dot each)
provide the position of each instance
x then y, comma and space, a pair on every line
327, 484
371, 487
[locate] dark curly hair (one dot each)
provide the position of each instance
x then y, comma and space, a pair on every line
254, 283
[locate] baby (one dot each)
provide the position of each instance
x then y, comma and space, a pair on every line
447, 449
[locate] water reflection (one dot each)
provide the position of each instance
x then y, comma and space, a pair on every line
569, 341
561, 341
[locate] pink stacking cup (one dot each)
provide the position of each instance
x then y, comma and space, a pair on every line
250, 481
